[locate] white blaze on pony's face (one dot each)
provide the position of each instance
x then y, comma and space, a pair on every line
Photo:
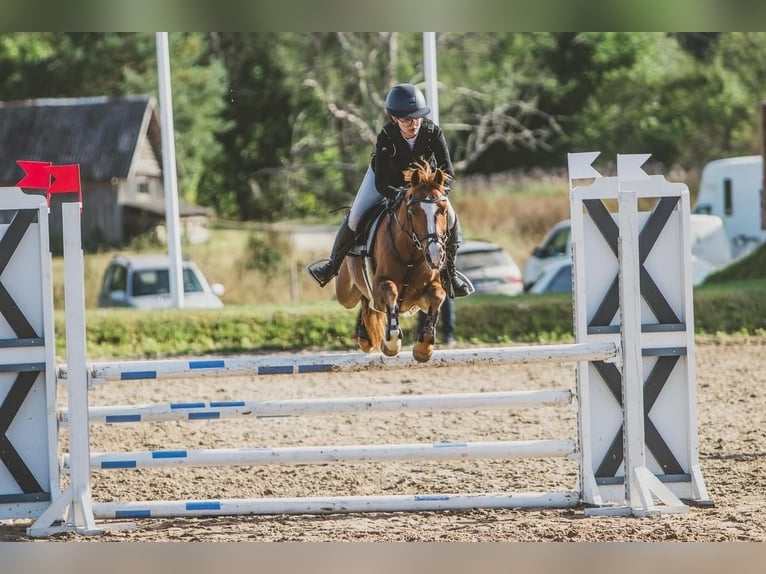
435, 213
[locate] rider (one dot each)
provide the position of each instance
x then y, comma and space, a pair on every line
408, 137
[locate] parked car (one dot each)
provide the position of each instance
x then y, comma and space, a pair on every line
143, 282
556, 277
490, 268
555, 246
709, 247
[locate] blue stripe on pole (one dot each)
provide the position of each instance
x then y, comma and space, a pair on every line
219, 404
170, 454
315, 368
449, 445
204, 505
211, 364
430, 497
123, 419
277, 370
138, 513
210, 415
187, 405
134, 375
118, 464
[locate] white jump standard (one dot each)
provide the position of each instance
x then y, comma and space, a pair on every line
636, 444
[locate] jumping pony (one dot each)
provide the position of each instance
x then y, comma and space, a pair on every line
398, 271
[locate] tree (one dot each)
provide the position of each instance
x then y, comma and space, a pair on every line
245, 181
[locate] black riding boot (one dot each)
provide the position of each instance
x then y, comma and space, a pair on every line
344, 240
456, 284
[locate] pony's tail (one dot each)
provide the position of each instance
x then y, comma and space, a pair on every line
375, 323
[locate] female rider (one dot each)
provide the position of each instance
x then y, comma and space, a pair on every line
407, 138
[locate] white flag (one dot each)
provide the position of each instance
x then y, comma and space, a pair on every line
580, 165
629, 166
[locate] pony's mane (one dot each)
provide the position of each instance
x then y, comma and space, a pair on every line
425, 173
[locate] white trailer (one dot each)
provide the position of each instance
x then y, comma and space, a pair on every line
732, 189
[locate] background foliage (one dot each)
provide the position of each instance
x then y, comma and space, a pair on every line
272, 126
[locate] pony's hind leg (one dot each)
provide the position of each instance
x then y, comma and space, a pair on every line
424, 345
360, 331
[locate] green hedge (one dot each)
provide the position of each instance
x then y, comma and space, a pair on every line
733, 308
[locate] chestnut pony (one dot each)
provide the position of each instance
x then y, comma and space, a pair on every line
402, 273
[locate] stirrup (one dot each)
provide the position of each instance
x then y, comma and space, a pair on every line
313, 267
461, 279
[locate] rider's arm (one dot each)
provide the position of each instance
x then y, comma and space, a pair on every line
388, 176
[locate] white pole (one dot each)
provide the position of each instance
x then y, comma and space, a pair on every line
340, 362
169, 170
329, 454
77, 496
630, 326
334, 505
429, 70
215, 410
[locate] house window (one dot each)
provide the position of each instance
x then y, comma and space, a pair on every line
143, 188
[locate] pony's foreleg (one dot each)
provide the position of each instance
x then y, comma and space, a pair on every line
424, 346
392, 340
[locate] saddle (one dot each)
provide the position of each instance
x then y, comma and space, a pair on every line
364, 245
365, 242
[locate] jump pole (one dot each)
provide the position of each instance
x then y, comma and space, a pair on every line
333, 505
341, 362
215, 410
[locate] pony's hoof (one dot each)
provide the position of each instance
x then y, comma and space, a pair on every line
364, 345
391, 351
391, 348
422, 353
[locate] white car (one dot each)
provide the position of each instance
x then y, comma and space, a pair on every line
143, 282
556, 277
709, 246
556, 246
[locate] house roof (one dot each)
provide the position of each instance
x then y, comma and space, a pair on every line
100, 134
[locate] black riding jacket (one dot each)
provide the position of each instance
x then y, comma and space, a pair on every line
393, 155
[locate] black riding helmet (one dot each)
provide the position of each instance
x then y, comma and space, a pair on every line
406, 101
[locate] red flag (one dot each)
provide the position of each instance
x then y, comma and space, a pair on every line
66, 179
38, 175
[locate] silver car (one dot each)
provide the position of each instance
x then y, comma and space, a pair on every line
490, 268
143, 282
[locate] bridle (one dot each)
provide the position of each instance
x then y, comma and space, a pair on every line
421, 243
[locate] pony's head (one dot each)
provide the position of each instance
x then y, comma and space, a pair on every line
427, 208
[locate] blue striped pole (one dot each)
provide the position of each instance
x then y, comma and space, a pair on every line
333, 505
342, 362
326, 454
215, 410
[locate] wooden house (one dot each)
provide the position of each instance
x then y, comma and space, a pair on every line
117, 144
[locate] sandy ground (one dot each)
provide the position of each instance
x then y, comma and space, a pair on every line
732, 399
